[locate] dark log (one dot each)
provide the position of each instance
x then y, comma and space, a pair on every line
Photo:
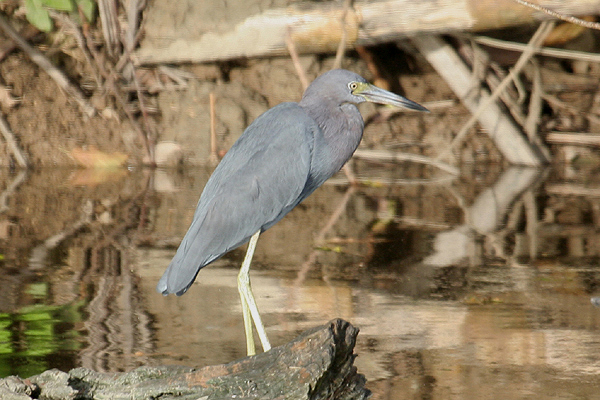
316, 365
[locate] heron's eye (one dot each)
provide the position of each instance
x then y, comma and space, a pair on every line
353, 85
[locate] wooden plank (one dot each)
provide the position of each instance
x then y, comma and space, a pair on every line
317, 27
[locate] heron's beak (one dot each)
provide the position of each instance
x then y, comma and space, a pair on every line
377, 95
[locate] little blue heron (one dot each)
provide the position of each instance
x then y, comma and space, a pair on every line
280, 159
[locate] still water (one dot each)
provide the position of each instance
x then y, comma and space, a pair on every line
474, 286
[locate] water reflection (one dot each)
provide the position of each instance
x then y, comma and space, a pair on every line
477, 286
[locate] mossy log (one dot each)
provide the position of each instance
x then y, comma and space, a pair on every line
316, 365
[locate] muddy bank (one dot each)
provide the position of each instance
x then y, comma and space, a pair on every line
155, 106
49, 126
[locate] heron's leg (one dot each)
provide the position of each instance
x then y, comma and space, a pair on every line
251, 349
249, 307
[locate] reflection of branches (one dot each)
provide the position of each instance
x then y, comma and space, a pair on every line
11, 142
390, 182
38, 256
392, 156
20, 178
117, 325
497, 239
111, 240
516, 206
320, 239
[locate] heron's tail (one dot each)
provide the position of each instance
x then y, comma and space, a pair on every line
165, 289
178, 276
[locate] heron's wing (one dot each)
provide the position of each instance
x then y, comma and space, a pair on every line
258, 181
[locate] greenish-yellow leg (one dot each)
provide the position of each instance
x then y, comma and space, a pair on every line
249, 308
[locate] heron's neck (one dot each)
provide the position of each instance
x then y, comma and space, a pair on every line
336, 121
342, 128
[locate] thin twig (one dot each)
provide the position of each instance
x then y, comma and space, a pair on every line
214, 157
295, 59
341, 50
12, 143
127, 55
10, 189
320, 238
378, 181
28, 32
339, 57
42, 62
81, 42
347, 168
567, 18
146, 135
110, 25
111, 86
539, 36
378, 78
473, 53
392, 156
130, 42
535, 104
544, 51
122, 102
531, 216
555, 102
535, 110
176, 75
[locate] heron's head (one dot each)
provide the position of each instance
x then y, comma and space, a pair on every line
342, 86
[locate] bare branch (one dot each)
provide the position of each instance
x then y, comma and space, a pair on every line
562, 17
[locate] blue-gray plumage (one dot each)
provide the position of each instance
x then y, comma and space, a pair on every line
280, 159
